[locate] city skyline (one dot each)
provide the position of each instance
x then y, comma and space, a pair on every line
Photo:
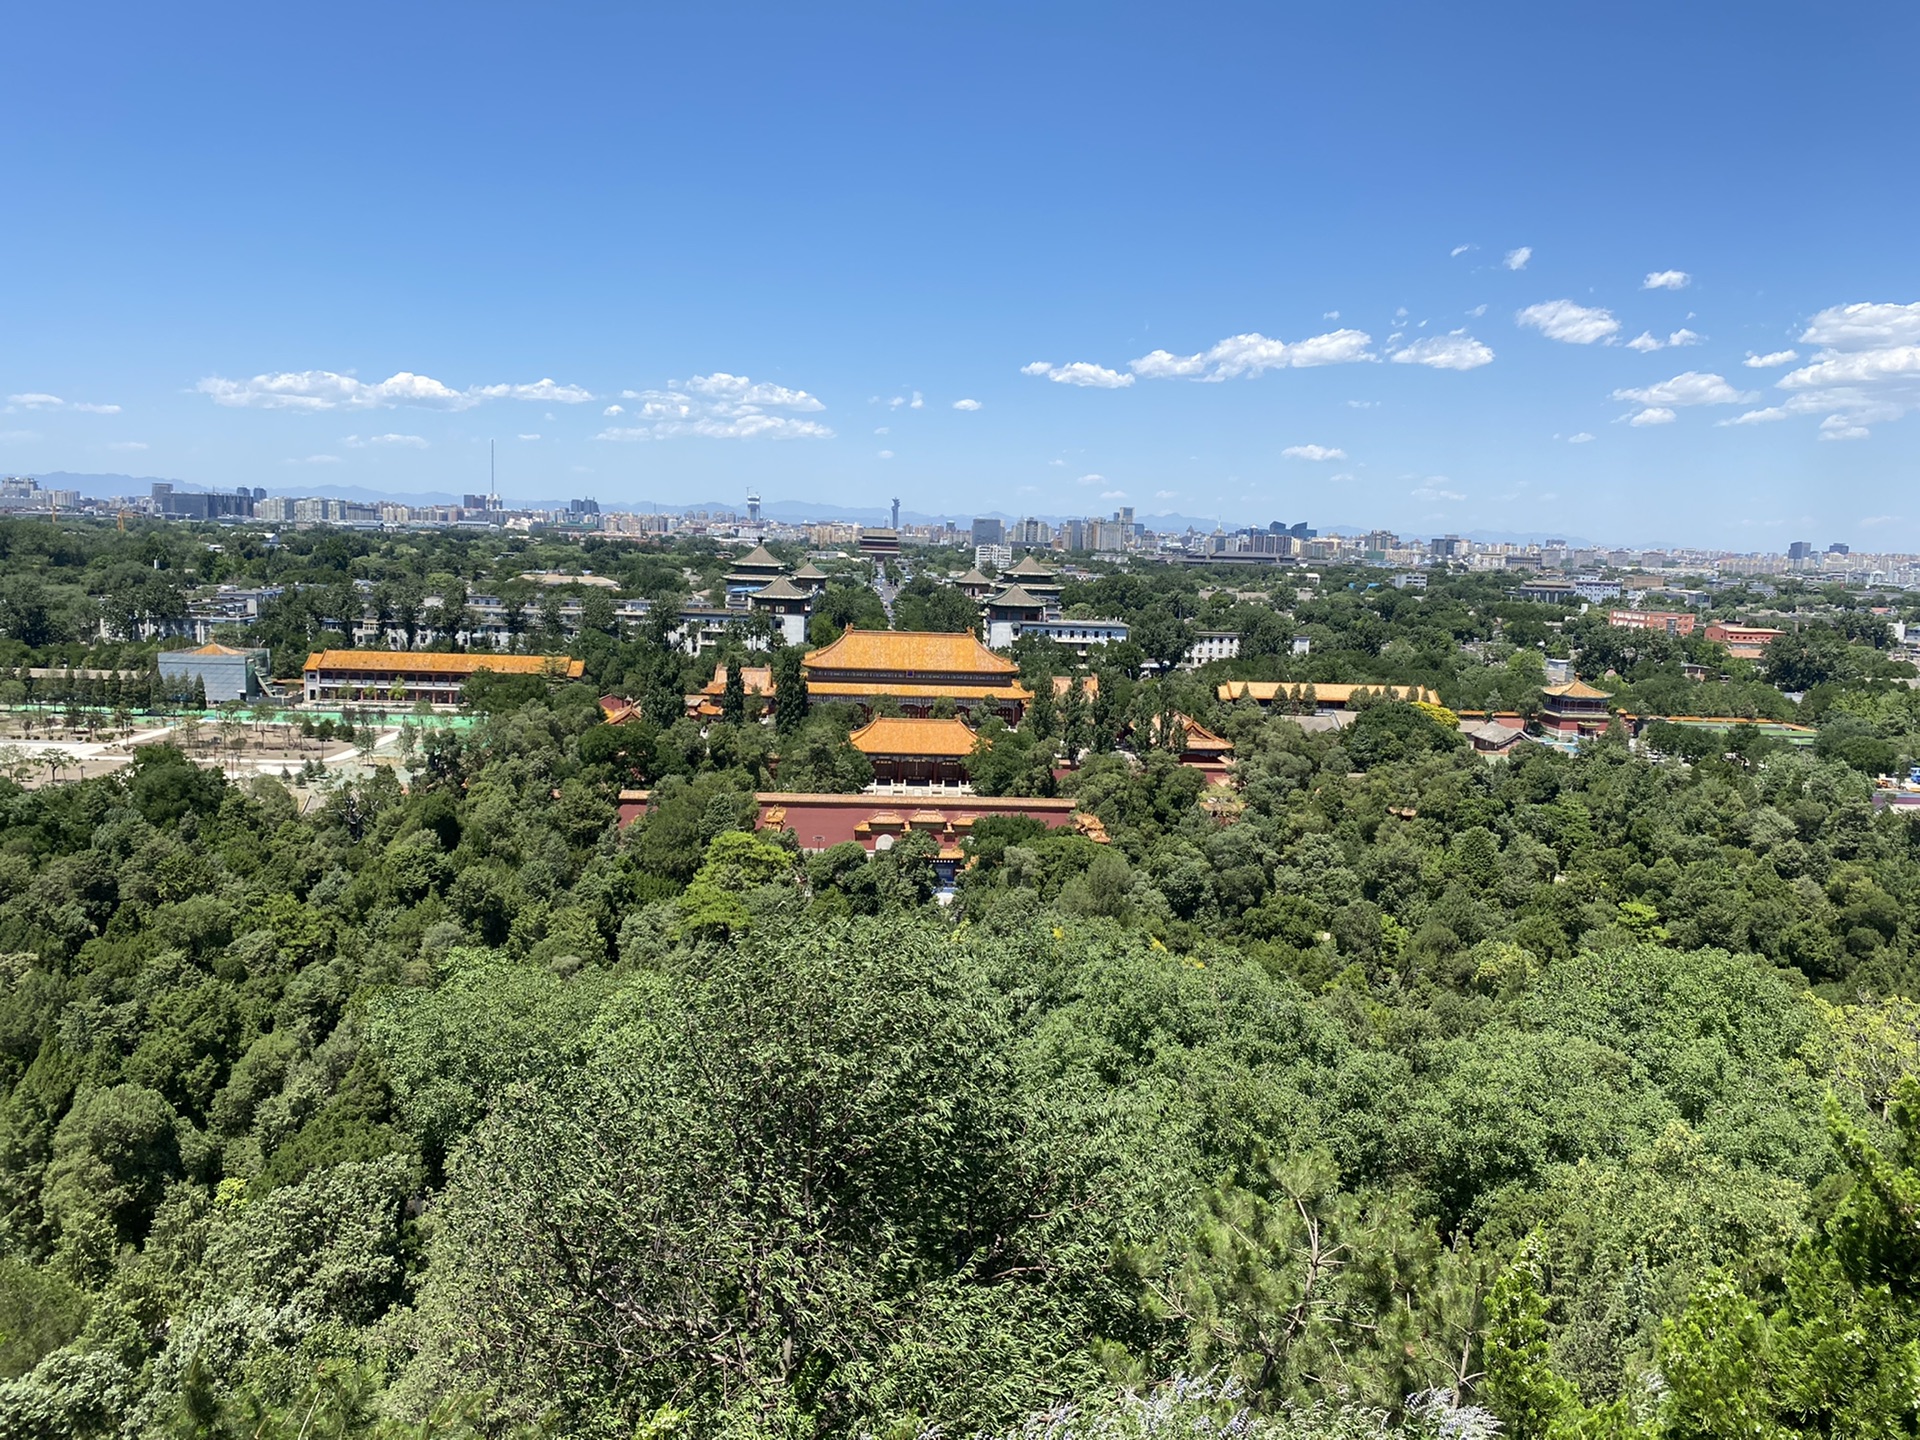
1535, 273
1149, 537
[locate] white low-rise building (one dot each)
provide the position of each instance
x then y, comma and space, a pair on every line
1079, 636
1211, 645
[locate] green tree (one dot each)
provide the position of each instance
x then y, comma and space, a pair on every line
802, 1188
1835, 1353
733, 696
790, 701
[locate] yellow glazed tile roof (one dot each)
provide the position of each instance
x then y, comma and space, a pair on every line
909, 652
891, 735
415, 662
908, 690
1576, 690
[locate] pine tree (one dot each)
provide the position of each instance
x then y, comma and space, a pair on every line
1074, 718
1106, 712
1041, 712
790, 699
733, 697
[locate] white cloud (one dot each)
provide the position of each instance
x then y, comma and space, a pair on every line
886, 454
316, 460
544, 390
1459, 250
966, 404
724, 389
1081, 372
1652, 415
1647, 341
1329, 314
1757, 417
917, 402
1583, 438
1253, 354
1113, 494
1345, 477
1091, 480
1870, 521
1517, 259
410, 442
19, 436
1891, 364
719, 407
1867, 371
1165, 494
1477, 311
534, 436
614, 410
1314, 452
1864, 327
883, 429
36, 400
1770, 359
1667, 280
1435, 489
1456, 350
126, 445
1692, 388
1362, 404
328, 390
1569, 323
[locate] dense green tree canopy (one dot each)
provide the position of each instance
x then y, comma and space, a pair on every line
1376, 1089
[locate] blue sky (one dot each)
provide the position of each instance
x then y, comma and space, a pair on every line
1404, 265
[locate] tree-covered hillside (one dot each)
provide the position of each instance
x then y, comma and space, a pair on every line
1378, 1088
1568, 1083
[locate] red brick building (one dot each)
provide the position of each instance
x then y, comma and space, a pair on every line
1743, 642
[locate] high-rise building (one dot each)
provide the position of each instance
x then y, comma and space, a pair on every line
1799, 550
896, 513
190, 505
1031, 531
1838, 549
988, 531
753, 507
